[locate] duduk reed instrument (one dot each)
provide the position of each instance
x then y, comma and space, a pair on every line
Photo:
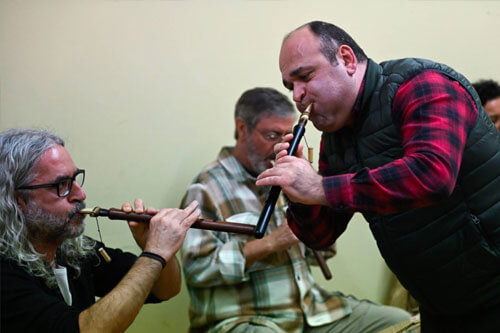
274, 193
117, 214
240, 228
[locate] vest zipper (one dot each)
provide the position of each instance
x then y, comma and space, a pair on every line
479, 226
356, 151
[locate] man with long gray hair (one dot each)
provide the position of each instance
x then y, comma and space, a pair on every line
50, 273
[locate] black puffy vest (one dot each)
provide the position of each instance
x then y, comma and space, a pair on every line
448, 254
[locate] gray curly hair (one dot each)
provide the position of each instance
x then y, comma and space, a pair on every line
20, 151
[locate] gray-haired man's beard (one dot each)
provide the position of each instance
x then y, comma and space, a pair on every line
258, 163
45, 226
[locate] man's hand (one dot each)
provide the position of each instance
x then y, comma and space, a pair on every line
295, 175
165, 232
168, 228
139, 229
163, 235
278, 240
282, 238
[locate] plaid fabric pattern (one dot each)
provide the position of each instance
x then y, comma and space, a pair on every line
279, 289
434, 114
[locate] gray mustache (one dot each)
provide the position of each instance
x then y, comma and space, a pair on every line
78, 207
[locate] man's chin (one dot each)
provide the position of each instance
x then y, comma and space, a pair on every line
76, 227
326, 127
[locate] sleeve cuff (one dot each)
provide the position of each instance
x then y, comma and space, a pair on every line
232, 262
338, 192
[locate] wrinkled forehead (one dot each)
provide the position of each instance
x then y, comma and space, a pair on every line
296, 48
276, 124
55, 162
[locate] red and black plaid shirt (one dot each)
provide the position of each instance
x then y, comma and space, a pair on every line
434, 114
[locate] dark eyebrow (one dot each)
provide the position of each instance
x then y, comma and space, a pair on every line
297, 71
60, 178
288, 85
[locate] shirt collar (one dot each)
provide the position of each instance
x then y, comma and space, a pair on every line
232, 166
357, 104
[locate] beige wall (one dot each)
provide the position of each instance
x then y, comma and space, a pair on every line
143, 92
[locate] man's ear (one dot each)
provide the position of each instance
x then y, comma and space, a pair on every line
20, 202
241, 128
346, 56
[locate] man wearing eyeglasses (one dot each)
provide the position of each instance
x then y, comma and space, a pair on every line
50, 273
241, 284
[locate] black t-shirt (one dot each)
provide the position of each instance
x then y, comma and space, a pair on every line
28, 305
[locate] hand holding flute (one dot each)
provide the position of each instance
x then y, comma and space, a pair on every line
278, 240
289, 174
165, 232
295, 175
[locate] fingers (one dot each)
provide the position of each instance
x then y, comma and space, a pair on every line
133, 224
299, 152
281, 149
168, 229
281, 146
270, 181
189, 214
152, 211
273, 176
139, 206
281, 167
192, 206
191, 218
281, 154
268, 173
287, 138
126, 207
177, 216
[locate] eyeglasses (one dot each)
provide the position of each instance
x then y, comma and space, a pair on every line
62, 185
273, 136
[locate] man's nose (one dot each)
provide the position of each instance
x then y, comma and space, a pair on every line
299, 92
77, 193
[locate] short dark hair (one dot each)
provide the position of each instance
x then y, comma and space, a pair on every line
487, 90
257, 103
331, 38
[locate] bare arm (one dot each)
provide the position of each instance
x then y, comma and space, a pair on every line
169, 283
163, 236
118, 309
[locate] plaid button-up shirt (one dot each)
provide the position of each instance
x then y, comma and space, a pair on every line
277, 291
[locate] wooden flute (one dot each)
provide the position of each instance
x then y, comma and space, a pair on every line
117, 214
239, 228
